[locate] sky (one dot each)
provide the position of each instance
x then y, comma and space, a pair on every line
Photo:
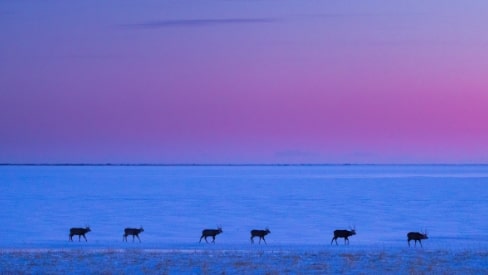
243, 81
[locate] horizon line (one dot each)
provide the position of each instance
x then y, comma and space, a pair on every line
243, 164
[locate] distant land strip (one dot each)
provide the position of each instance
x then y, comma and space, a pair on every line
243, 164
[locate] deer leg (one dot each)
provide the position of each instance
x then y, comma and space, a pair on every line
265, 241
420, 242
213, 239
85, 238
346, 240
138, 238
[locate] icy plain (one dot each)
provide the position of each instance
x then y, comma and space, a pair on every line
301, 205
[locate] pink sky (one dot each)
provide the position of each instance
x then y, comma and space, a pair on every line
213, 81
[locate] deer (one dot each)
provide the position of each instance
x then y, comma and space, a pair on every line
260, 234
78, 231
342, 233
132, 231
416, 236
210, 233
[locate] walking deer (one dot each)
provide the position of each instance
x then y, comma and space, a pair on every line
210, 233
132, 231
343, 234
78, 231
259, 233
416, 236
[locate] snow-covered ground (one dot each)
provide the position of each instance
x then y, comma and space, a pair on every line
308, 260
301, 205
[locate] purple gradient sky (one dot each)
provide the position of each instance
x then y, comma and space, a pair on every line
215, 81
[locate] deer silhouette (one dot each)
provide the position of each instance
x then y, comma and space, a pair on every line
78, 231
210, 233
132, 231
416, 236
259, 233
342, 233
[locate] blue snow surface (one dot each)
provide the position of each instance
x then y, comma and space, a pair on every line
301, 205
